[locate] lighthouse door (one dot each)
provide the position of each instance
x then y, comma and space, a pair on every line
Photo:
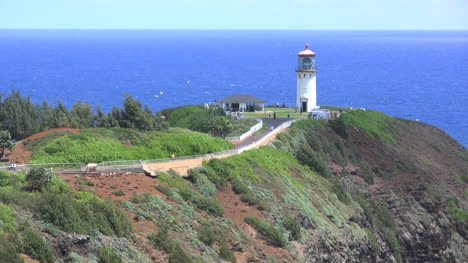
304, 106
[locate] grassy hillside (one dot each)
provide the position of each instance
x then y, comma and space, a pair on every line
97, 145
31, 222
364, 188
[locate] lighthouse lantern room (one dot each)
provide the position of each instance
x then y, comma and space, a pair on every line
306, 99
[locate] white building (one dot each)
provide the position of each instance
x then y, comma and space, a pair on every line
306, 99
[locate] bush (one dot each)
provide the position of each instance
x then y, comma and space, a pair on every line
207, 235
291, 224
373, 241
165, 190
208, 204
90, 148
119, 192
8, 253
306, 156
164, 241
239, 187
250, 199
271, 234
108, 255
33, 245
82, 182
37, 178
7, 219
82, 216
365, 171
226, 254
338, 125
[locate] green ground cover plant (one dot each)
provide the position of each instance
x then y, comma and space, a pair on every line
226, 254
8, 252
271, 234
375, 124
163, 240
69, 211
207, 235
108, 255
88, 148
241, 126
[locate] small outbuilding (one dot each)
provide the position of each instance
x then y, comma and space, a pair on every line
241, 103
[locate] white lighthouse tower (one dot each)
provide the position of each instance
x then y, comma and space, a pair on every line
306, 81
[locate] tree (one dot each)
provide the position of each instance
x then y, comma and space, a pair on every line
37, 178
6, 142
218, 125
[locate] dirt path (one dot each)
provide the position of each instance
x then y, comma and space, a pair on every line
21, 156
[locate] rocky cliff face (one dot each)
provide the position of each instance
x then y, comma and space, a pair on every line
420, 179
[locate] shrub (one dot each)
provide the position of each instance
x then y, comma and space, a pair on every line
7, 218
89, 147
37, 178
338, 125
82, 216
239, 187
108, 255
34, 245
82, 182
306, 156
164, 241
207, 235
226, 254
204, 185
165, 190
8, 253
373, 241
208, 204
119, 192
271, 234
250, 199
291, 224
365, 171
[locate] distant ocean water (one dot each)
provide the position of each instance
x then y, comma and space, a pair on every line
410, 74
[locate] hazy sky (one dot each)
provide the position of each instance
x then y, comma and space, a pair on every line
235, 14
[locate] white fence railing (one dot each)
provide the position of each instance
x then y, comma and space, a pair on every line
253, 145
252, 129
48, 166
131, 164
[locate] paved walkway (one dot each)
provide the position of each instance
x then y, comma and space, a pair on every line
182, 166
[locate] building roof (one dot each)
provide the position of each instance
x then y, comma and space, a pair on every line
241, 99
306, 52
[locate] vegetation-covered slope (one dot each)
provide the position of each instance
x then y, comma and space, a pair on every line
98, 145
352, 190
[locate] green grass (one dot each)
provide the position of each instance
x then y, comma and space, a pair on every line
241, 126
33, 145
373, 123
270, 233
163, 240
280, 113
58, 205
89, 147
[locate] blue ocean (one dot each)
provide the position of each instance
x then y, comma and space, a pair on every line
418, 75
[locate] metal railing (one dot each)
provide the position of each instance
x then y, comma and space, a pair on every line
138, 164
48, 166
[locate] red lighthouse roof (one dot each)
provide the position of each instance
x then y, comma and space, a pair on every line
306, 52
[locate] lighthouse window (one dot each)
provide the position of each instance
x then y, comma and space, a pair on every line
310, 75
304, 75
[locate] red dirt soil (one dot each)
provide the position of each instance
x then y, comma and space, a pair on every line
21, 155
106, 185
41, 134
